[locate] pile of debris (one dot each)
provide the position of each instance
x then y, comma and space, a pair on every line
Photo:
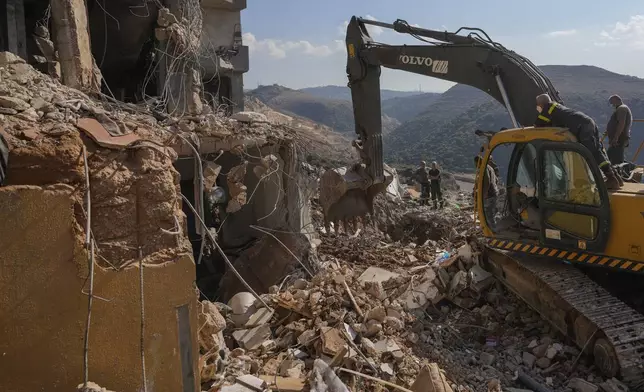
389, 315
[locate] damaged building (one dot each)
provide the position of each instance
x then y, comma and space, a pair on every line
129, 152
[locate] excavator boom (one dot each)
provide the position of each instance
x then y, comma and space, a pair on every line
472, 59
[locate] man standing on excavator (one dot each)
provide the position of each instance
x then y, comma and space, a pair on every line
553, 114
618, 130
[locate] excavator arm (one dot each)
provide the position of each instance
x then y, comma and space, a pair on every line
472, 59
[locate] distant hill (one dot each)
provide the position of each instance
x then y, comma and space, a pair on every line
405, 108
334, 113
445, 130
343, 92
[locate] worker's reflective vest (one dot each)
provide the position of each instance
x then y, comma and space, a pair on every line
557, 115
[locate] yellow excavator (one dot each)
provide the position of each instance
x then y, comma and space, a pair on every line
554, 211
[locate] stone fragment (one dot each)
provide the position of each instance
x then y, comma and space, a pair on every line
211, 324
372, 328
540, 351
13, 103
378, 313
90, 387
529, 359
431, 379
291, 368
368, 346
375, 274
486, 358
394, 323
543, 363
387, 369
7, 58
386, 346
306, 337
613, 385
284, 384
580, 385
249, 117
332, 340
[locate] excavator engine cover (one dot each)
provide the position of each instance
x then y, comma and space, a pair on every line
348, 193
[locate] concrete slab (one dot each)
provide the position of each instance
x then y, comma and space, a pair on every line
375, 274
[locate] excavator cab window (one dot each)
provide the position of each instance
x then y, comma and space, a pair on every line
573, 201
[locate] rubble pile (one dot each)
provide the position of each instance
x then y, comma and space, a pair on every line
28, 97
399, 310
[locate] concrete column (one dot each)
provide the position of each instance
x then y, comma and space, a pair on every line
237, 91
71, 36
12, 27
180, 77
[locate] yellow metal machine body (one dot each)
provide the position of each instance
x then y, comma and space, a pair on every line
555, 204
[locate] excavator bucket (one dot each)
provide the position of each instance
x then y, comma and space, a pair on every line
347, 195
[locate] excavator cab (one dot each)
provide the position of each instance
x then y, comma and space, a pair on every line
554, 195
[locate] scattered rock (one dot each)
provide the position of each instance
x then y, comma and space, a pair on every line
579, 385
13, 103
90, 387
249, 117
486, 358
529, 359
543, 363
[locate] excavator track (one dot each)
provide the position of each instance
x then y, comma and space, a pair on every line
599, 323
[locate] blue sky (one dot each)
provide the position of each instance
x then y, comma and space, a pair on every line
299, 43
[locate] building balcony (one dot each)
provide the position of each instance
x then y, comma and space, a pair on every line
236, 64
228, 5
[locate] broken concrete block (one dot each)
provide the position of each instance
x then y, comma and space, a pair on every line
236, 388
431, 379
13, 103
458, 284
291, 368
481, 279
306, 337
375, 274
211, 323
386, 346
387, 369
422, 292
368, 346
261, 316
579, 385
284, 384
252, 382
543, 363
249, 117
332, 340
378, 313
251, 339
528, 359
394, 323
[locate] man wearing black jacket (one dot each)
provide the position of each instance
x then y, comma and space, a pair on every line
618, 130
553, 114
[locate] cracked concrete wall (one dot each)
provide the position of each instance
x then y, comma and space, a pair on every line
43, 308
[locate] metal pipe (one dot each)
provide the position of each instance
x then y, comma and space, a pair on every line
504, 94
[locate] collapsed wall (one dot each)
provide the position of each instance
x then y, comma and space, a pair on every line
137, 220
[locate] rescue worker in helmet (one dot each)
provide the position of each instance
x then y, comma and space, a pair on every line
553, 114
